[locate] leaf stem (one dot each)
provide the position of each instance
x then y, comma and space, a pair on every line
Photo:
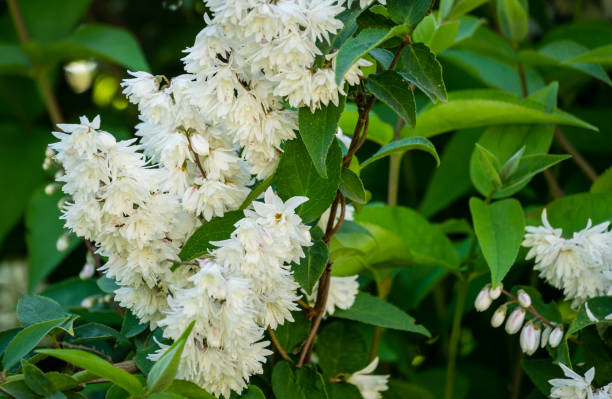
582, 163
454, 339
278, 346
394, 167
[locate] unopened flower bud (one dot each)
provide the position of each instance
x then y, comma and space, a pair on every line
87, 303
499, 316
62, 243
106, 140
200, 144
494, 293
61, 204
545, 335
49, 152
59, 174
51, 188
79, 74
555, 337
523, 298
87, 271
483, 300
108, 298
47, 164
515, 321
530, 338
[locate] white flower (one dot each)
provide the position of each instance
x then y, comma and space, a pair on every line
342, 293
370, 386
530, 338
573, 387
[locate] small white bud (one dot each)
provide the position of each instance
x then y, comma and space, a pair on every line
495, 293
515, 321
499, 316
59, 174
523, 298
61, 204
545, 335
49, 153
87, 303
556, 336
483, 300
200, 144
51, 188
530, 338
108, 298
62, 243
87, 271
47, 164
79, 74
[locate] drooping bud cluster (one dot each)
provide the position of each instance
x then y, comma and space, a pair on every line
581, 266
532, 335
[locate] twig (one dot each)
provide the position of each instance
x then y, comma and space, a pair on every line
454, 339
196, 157
582, 163
277, 345
553, 185
304, 305
96, 257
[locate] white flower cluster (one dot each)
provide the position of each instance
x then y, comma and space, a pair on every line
578, 387
532, 337
581, 266
116, 202
244, 287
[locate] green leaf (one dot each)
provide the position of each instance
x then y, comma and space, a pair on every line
48, 20
490, 165
131, 325
513, 18
358, 46
599, 307
452, 179
19, 390
540, 371
32, 309
105, 42
94, 331
464, 6
403, 145
343, 391
349, 27
311, 267
369, 309
318, 131
27, 339
600, 55
6, 337
422, 68
44, 228
297, 176
216, 229
303, 383
499, 228
14, 60
392, 89
189, 390
163, 372
603, 183
257, 191
379, 131
528, 167
71, 292
341, 348
437, 36
474, 108
572, 212
352, 186
407, 12
292, 333
107, 285
165, 395
252, 392
35, 379
97, 366
427, 244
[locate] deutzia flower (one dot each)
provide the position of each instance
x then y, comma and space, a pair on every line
342, 293
573, 387
370, 386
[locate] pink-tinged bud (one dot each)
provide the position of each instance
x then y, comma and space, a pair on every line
495, 293
545, 335
190, 199
499, 316
483, 300
530, 338
200, 144
515, 321
87, 271
524, 299
556, 336
87, 303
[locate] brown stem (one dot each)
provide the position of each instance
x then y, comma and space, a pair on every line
196, 157
22, 31
277, 345
304, 305
96, 257
553, 185
582, 163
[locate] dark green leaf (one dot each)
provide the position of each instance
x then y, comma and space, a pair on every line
71, 292
603, 183
14, 60
408, 12
499, 228
401, 390
297, 176
107, 285
163, 372
48, 20
165, 395
292, 333
216, 229
343, 391
257, 191
311, 267
372, 310
422, 68
351, 186
35, 379
600, 55
540, 371
97, 366
32, 309
403, 145
189, 390
131, 325
571, 213
392, 89
252, 392
513, 19
7, 336
318, 131
44, 227
94, 331
19, 390
599, 308
341, 348
27, 339
303, 383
